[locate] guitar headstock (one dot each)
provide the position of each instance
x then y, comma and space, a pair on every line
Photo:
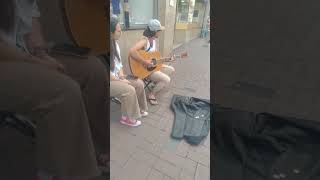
182, 55
174, 57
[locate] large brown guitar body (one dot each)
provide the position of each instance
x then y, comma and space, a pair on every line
140, 71
87, 24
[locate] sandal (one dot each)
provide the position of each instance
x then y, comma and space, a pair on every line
152, 99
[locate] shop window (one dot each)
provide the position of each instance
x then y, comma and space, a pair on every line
134, 14
182, 11
190, 11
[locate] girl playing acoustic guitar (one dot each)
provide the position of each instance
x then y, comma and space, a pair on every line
148, 43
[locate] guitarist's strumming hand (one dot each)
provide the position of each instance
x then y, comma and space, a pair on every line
148, 63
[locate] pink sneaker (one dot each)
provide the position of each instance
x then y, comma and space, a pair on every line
130, 122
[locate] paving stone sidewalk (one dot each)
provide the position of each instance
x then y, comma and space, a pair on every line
148, 152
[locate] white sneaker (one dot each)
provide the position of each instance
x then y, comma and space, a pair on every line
144, 113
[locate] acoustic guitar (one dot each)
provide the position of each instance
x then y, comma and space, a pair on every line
87, 24
140, 71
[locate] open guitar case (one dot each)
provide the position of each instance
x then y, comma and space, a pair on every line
266, 90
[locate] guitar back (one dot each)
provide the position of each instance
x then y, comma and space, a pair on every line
138, 70
86, 22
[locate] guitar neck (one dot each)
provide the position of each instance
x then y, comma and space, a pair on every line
162, 60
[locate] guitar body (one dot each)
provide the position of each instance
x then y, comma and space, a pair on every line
87, 25
138, 70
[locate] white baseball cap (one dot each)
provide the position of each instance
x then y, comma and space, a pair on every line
155, 25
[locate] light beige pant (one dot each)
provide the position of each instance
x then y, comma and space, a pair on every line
132, 97
161, 78
54, 101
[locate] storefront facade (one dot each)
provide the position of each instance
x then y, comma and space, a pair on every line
182, 22
191, 18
